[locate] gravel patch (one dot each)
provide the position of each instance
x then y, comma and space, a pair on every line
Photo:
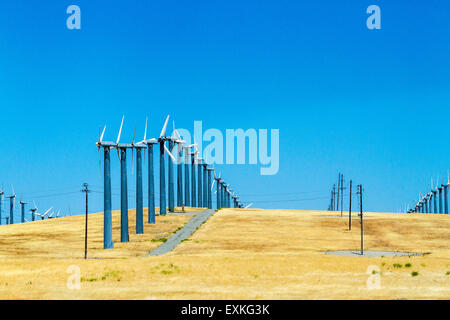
183, 233
371, 253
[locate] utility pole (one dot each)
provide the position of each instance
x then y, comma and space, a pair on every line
350, 208
1, 203
339, 185
360, 191
342, 193
86, 191
333, 195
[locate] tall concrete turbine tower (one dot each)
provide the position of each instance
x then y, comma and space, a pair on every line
210, 186
122, 154
162, 173
179, 143
12, 202
107, 201
193, 175
446, 193
151, 176
140, 147
22, 207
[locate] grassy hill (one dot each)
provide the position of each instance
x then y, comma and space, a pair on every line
236, 254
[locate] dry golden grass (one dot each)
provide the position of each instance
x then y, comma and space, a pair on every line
236, 254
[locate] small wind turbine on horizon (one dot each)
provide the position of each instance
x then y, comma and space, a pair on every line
12, 203
43, 215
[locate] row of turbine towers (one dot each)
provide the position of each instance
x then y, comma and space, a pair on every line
196, 191
434, 201
33, 211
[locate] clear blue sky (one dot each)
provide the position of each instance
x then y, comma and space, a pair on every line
373, 104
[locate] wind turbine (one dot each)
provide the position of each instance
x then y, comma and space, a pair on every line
187, 194
440, 189
218, 181
162, 175
446, 193
224, 195
44, 214
171, 195
22, 204
420, 203
194, 188
428, 197
107, 202
434, 195
122, 154
200, 182
178, 141
50, 216
151, 179
229, 195
205, 185
210, 186
179, 166
139, 190
33, 211
12, 202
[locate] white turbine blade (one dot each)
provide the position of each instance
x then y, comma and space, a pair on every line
164, 129
34, 203
168, 152
120, 130
134, 135
145, 131
174, 135
212, 186
178, 135
101, 136
195, 145
46, 212
249, 205
12, 187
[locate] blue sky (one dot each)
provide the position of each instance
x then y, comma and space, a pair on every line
373, 104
